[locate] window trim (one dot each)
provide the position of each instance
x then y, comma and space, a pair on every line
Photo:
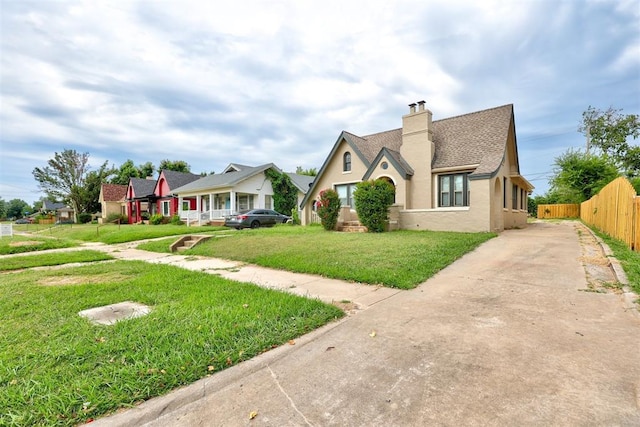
346, 162
451, 190
350, 187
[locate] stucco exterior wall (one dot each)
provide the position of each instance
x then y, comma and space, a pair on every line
475, 218
334, 175
394, 175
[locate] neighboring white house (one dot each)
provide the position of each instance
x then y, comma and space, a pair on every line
238, 187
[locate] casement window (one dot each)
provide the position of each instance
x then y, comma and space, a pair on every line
345, 192
165, 208
514, 197
453, 190
346, 162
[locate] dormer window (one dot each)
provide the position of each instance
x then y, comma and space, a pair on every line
346, 162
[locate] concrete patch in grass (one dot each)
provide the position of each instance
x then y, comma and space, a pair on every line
110, 314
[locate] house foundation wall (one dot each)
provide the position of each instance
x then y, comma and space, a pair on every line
442, 220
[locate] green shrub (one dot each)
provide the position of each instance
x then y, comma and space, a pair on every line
84, 217
145, 215
295, 216
156, 219
175, 220
328, 207
114, 217
373, 199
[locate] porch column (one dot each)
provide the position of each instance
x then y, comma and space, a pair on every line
232, 201
138, 215
210, 206
179, 207
199, 207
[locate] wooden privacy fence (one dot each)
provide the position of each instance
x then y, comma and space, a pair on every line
615, 210
558, 211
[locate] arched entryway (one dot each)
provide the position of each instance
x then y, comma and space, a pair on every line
390, 181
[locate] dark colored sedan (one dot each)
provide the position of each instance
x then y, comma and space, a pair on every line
255, 218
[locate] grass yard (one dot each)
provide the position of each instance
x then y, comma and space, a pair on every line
629, 259
400, 259
49, 259
20, 244
57, 368
113, 233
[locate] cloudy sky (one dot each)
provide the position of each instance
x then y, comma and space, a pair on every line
254, 82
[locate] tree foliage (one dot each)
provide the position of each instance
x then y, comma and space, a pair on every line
373, 199
129, 170
578, 176
63, 177
91, 190
609, 131
285, 193
17, 208
3, 208
174, 165
328, 208
308, 172
67, 178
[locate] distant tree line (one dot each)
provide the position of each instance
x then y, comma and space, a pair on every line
580, 174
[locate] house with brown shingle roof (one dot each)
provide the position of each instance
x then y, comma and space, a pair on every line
112, 200
456, 174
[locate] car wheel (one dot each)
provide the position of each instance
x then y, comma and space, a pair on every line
255, 224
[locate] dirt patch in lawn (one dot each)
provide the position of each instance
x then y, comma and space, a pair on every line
81, 279
25, 243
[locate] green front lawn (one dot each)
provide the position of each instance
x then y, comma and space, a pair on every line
401, 259
48, 259
113, 233
20, 244
57, 368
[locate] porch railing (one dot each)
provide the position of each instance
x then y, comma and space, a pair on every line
195, 217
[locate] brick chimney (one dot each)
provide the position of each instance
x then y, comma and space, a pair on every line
418, 149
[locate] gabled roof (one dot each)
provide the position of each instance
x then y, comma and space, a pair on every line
474, 138
303, 182
396, 160
113, 192
235, 167
222, 180
477, 138
177, 179
48, 205
142, 187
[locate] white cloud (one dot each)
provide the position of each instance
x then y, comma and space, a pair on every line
257, 82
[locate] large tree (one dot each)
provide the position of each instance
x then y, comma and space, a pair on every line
64, 178
91, 189
174, 165
129, 170
578, 176
3, 208
17, 208
609, 132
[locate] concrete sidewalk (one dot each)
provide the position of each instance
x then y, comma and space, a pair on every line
350, 295
507, 336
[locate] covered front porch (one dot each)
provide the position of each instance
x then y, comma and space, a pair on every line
204, 208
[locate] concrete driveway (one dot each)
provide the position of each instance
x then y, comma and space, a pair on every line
505, 336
